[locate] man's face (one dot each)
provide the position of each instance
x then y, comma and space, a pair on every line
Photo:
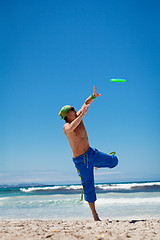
71, 114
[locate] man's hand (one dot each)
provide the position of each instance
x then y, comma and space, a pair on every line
95, 93
89, 100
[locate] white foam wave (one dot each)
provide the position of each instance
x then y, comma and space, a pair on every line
117, 201
74, 187
123, 186
127, 185
34, 189
4, 198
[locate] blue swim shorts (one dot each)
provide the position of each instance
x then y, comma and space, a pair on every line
85, 164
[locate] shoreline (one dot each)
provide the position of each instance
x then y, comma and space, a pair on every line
145, 229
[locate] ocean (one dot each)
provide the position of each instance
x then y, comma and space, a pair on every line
136, 200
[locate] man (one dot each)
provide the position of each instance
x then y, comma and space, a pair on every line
84, 157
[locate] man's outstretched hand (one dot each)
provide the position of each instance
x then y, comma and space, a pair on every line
95, 94
88, 101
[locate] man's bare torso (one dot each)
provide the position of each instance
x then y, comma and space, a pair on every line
78, 140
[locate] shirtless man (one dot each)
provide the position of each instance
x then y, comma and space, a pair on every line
84, 157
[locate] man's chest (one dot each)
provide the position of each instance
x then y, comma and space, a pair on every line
78, 133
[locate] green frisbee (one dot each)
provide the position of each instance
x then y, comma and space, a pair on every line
117, 80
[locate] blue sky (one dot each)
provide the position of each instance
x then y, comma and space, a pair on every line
52, 53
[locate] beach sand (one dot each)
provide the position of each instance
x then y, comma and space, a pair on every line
79, 229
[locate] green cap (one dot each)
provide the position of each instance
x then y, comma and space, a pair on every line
64, 111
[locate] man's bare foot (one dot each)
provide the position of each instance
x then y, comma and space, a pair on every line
96, 217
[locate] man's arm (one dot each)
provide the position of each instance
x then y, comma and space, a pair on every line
69, 127
89, 100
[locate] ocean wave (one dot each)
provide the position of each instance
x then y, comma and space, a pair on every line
99, 187
128, 186
113, 201
35, 189
54, 188
36, 203
128, 201
118, 186
71, 189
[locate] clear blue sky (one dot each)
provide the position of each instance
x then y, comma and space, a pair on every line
52, 53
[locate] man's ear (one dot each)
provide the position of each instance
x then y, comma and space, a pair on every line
66, 119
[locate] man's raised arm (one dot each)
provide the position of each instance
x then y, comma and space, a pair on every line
89, 100
69, 127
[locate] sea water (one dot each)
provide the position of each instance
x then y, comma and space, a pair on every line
114, 201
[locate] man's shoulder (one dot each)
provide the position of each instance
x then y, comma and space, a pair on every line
65, 126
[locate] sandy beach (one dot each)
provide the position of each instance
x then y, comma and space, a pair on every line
82, 229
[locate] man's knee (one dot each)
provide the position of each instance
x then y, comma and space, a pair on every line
114, 162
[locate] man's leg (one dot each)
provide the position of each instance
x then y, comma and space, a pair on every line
94, 213
87, 177
104, 160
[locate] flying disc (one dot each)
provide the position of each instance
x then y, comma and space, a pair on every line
117, 80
